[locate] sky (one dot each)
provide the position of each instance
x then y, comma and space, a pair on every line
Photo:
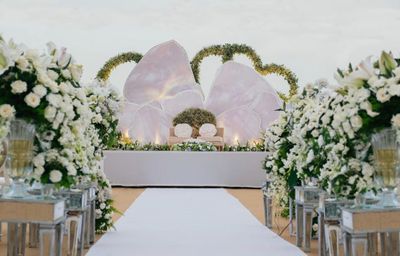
311, 37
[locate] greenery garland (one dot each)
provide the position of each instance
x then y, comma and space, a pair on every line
226, 51
105, 72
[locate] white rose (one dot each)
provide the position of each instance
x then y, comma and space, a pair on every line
382, 95
50, 113
394, 90
396, 121
52, 74
66, 73
71, 170
7, 111
39, 170
55, 176
102, 206
356, 122
40, 90
54, 99
38, 160
32, 100
18, 87
22, 63
65, 88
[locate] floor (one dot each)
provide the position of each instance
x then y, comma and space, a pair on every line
250, 198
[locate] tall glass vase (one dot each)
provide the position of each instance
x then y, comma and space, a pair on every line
386, 156
19, 156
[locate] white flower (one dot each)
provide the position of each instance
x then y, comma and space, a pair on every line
7, 111
71, 170
55, 176
39, 170
22, 63
394, 90
76, 72
32, 100
18, 87
310, 156
396, 120
66, 73
54, 99
52, 74
382, 95
315, 227
38, 160
356, 122
40, 90
64, 58
102, 206
50, 113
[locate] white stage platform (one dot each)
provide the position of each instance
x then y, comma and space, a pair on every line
172, 168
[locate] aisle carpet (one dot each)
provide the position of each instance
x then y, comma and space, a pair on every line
190, 222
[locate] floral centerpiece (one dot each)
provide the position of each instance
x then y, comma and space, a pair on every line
194, 145
44, 89
326, 134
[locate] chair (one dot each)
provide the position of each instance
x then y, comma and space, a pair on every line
217, 140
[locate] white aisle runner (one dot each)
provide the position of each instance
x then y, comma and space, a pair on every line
190, 222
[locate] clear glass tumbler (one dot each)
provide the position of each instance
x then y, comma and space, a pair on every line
386, 155
19, 156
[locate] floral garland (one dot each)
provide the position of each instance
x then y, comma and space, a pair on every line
105, 72
227, 52
194, 145
256, 147
326, 134
105, 103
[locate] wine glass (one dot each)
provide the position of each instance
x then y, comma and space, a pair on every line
386, 155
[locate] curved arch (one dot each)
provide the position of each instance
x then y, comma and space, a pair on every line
105, 72
227, 52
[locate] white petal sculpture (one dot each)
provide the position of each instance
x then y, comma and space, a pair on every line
243, 102
162, 85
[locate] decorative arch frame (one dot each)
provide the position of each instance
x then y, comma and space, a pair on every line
225, 51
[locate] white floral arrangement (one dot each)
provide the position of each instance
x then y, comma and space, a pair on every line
326, 134
194, 145
44, 88
105, 103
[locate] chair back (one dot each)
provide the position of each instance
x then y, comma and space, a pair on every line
220, 132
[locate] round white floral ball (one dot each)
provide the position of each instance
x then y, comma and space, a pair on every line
55, 176
6, 111
32, 100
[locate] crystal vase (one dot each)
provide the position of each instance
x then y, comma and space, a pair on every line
386, 157
19, 156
